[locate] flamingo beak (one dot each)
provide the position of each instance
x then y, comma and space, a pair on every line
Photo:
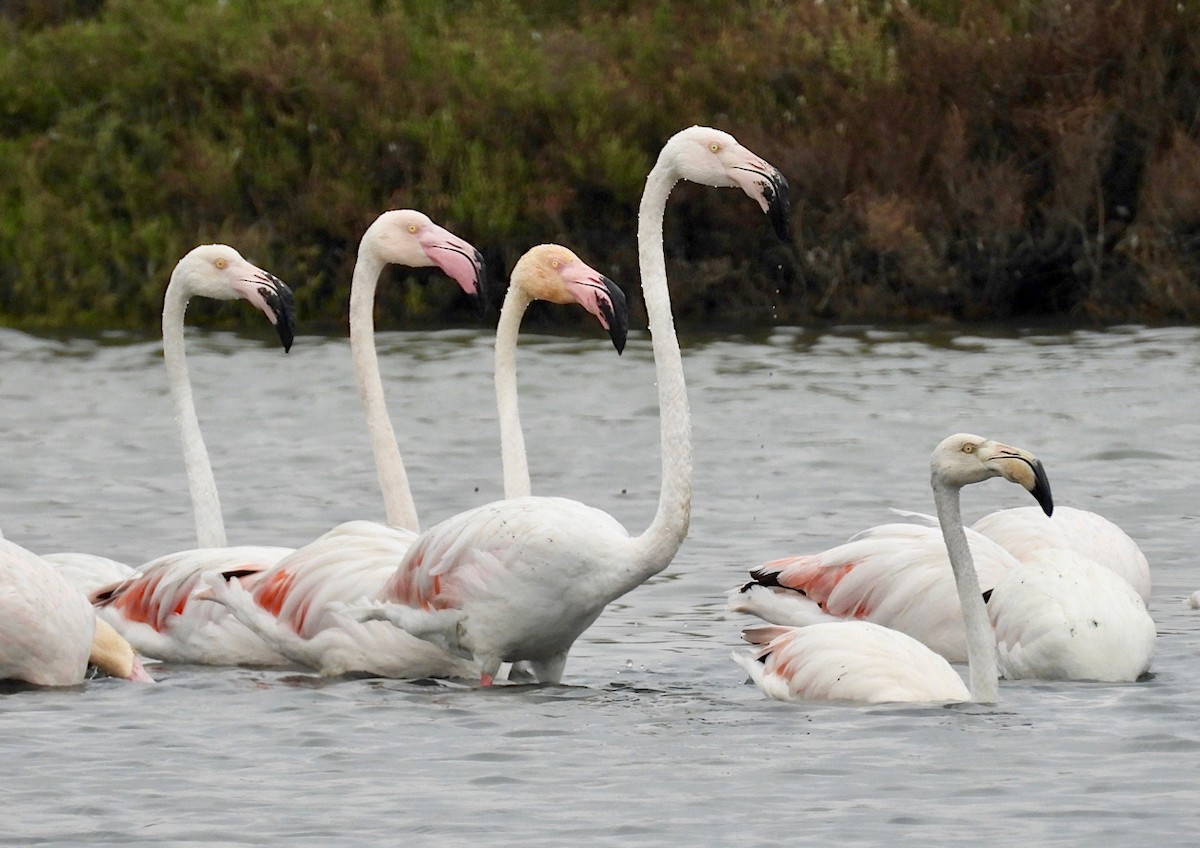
281, 305
764, 183
458, 260
616, 313
1022, 467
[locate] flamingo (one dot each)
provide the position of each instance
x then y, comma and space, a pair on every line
150, 608
295, 606
521, 579
867, 663
1024, 531
49, 633
170, 624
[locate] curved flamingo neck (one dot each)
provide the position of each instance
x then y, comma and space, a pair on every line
512, 440
389, 466
981, 642
202, 486
657, 546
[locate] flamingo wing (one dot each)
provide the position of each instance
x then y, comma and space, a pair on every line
896, 575
157, 612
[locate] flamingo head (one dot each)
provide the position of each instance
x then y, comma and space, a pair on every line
964, 458
408, 237
113, 655
553, 273
218, 271
712, 157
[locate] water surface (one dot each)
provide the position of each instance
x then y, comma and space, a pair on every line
801, 439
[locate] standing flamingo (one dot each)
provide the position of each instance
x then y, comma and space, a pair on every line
49, 633
295, 606
521, 579
183, 630
865, 662
150, 609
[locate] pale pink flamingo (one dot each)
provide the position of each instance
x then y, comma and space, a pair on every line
865, 662
521, 579
49, 633
295, 606
161, 604
151, 608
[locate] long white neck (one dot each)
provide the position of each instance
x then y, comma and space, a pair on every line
656, 547
512, 440
389, 466
981, 642
206, 505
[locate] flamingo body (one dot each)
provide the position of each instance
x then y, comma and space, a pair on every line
46, 625
513, 580
847, 661
1061, 616
48, 630
1025, 531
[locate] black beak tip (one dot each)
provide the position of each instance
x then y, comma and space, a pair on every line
480, 297
1041, 489
617, 316
779, 205
279, 297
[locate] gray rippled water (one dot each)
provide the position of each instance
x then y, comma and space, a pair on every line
801, 439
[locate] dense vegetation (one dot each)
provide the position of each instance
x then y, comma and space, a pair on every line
948, 158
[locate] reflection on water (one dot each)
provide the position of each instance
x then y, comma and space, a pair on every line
801, 439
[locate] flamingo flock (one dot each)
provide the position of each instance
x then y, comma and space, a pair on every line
502, 591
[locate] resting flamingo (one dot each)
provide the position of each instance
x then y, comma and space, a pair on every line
49, 633
295, 607
1056, 613
151, 608
865, 662
521, 579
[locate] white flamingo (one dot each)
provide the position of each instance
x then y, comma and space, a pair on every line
49, 633
172, 623
867, 663
151, 608
521, 579
295, 606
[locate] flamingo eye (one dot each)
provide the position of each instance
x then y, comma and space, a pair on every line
222, 263
554, 263
412, 228
715, 147
968, 448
